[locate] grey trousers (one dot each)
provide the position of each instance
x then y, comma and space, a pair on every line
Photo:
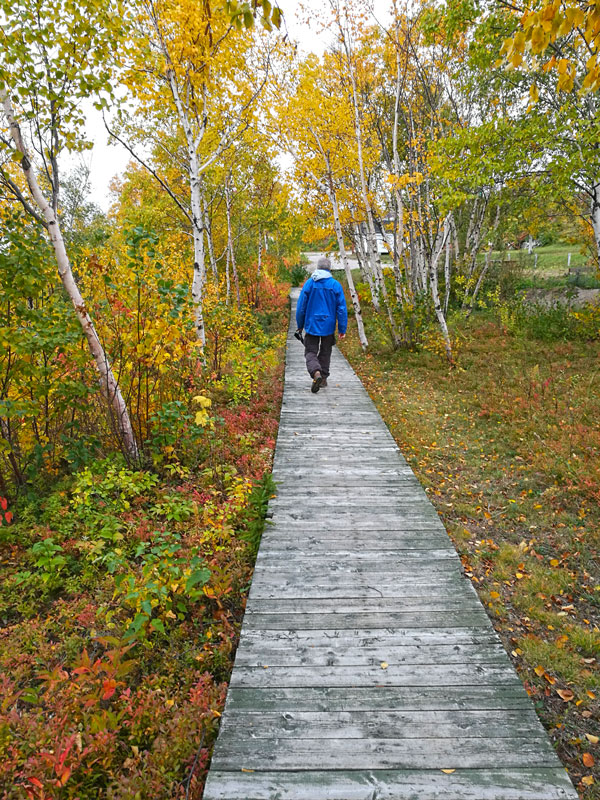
317, 352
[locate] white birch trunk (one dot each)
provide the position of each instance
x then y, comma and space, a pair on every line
258, 266
483, 273
196, 209
374, 250
595, 219
353, 295
108, 382
365, 266
473, 243
447, 275
230, 242
399, 205
227, 278
209, 241
486, 266
435, 296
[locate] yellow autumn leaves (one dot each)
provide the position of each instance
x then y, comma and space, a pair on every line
202, 417
554, 21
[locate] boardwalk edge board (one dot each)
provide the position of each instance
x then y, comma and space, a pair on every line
367, 667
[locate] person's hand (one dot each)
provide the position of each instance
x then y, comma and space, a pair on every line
341, 335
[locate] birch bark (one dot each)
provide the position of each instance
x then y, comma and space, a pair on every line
595, 217
258, 266
192, 144
351, 288
374, 250
209, 240
435, 296
108, 382
230, 247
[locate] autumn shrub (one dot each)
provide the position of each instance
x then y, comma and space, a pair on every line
293, 271
123, 586
146, 321
555, 322
253, 519
236, 343
46, 384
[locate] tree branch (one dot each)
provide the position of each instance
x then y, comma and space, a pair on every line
154, 174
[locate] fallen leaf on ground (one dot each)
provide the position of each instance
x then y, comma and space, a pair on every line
566, 694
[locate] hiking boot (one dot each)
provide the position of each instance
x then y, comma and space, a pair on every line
323, 382
317, 381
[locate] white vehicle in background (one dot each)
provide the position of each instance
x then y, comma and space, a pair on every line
384, 239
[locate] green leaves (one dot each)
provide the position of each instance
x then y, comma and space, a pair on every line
199, 576
54, 54
243, 15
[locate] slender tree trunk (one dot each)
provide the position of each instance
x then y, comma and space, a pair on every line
198, 234
227, 278
486, 266
353, 295
433, 283
230, 242
374, 250
209, 241
258, 267
108, 383
595, 219
365, 266
196, 209
456, 243
398, 203
473, 243
483, 273
447, 276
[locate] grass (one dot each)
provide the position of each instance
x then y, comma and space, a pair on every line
508, 448
551, 269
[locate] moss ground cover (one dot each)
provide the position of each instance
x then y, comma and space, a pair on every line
123, 591
507, 446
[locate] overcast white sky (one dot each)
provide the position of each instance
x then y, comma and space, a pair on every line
106, 160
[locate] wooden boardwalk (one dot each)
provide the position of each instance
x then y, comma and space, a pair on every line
367, 667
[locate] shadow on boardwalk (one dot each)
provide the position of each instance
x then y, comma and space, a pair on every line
367, 667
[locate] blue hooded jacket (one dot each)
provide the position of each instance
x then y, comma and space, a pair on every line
320, 304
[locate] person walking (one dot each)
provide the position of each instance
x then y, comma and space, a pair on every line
321, 304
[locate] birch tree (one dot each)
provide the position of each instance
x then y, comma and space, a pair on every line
199, 68
347, 20
312, 125
53, 56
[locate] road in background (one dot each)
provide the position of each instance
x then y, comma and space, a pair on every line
336, 263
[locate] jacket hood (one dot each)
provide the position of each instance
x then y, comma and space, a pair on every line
319, 274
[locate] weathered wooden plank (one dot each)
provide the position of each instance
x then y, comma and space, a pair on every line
394, 675
308, 544
349, 558
288, 589
349, 637
378, 698
344, 522
427, 602
289, 654
385, 619
382, 725
525, 783
342, 754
